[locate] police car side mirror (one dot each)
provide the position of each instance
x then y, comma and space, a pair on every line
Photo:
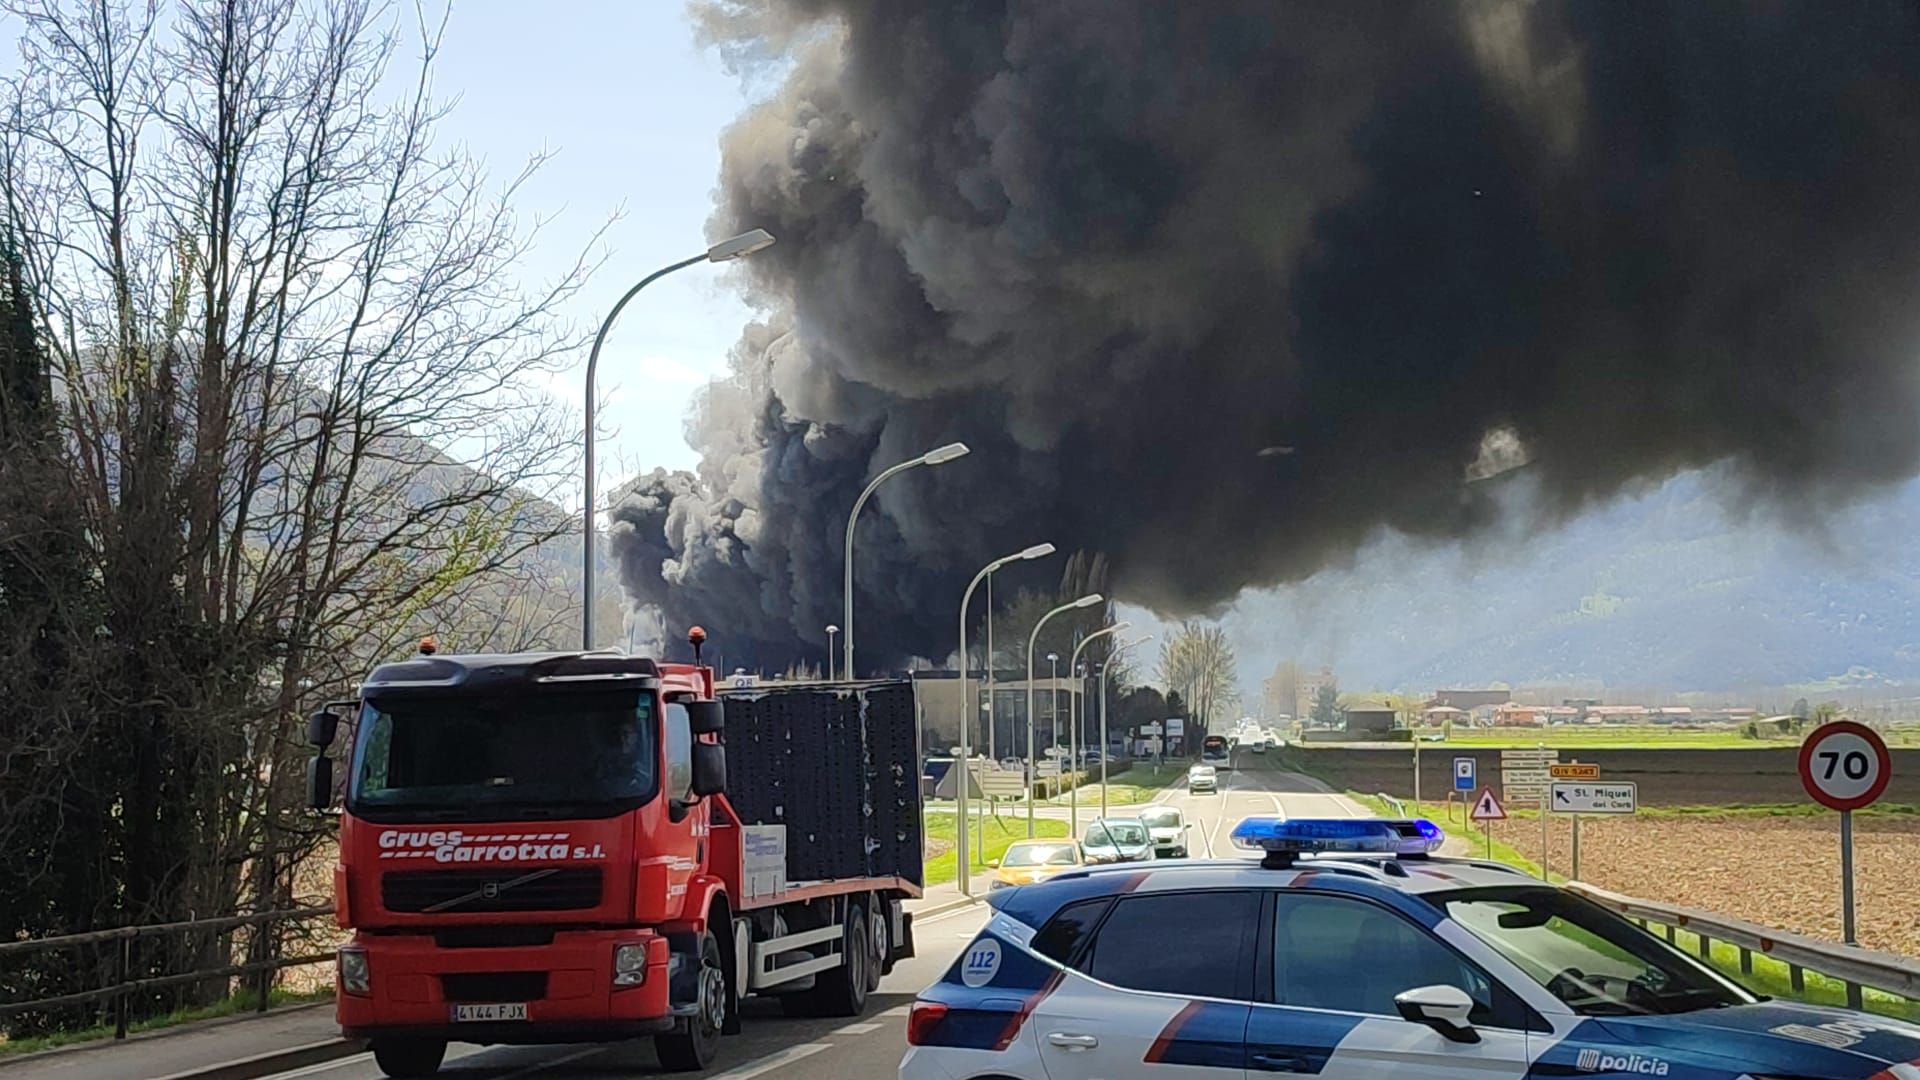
1442, 1008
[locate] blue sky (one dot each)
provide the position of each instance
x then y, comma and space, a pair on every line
632, 108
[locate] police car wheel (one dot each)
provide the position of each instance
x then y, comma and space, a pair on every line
693, 1046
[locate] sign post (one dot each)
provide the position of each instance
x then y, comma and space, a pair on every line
1463, 774
1845, 766
1573, 771
1486, 811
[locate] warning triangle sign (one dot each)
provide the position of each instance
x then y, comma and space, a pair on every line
1487, 807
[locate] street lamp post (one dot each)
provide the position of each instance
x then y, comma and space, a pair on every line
1037, 551
738, 247
1053, 704
831, 630
1032, 640
1073, 724
937, 456
1116, 651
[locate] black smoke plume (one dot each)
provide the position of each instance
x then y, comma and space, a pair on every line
1217, 289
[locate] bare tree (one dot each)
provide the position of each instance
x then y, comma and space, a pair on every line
295, 374
1198, 662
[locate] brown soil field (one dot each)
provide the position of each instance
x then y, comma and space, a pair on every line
1782, 872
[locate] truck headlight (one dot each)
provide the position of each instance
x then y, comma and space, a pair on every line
354, 975
629, 965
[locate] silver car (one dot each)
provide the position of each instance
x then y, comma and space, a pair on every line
1110, 840
1168, 829
1202, 778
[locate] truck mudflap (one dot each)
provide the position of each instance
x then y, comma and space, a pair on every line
563, 991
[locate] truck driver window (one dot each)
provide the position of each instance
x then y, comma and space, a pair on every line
511, 752
679, 736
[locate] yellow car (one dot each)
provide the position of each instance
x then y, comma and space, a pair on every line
1028, 861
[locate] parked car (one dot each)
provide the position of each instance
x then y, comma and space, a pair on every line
1202, 778
1028, 861
1168, 829
1110, 840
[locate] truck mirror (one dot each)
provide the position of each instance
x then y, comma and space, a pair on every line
320, 782
322, 726
706, 717
709, 769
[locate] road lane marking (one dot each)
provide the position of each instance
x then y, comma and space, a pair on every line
324, 1066
861, 1028
561, 1060
762, 1066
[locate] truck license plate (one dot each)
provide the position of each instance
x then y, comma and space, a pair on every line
467, 1013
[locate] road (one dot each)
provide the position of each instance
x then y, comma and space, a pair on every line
775, 1046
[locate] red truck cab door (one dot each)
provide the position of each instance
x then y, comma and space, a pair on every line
673, 836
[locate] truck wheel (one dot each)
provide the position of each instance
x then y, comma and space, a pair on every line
409, 1057
882, 959
842, 991
694, 1048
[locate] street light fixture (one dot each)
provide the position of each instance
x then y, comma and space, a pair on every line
937, 456
735, 247
1117, 650
1037, 551
831, 630
1032, 640
1074, 717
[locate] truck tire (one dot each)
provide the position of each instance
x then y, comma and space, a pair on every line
842, 991
881, 933
693, 1048
409, 1057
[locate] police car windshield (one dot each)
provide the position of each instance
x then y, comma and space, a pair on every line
440, 758
1597, 962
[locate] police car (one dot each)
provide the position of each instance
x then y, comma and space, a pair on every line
1349, 951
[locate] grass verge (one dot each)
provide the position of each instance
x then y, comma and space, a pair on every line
242, 1002
1139, 784
992, 841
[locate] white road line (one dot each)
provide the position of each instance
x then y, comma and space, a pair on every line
898, 1010
862, 1028
767, 1064
561, 1060
325, 1066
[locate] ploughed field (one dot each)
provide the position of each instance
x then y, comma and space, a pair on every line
1776, 870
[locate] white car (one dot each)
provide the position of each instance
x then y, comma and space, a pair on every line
1359, 962
1202, 778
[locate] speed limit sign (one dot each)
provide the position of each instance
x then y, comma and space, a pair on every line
1845, 765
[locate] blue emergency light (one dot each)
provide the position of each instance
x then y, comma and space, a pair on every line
1284, 838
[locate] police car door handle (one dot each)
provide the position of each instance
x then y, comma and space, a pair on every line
1069, 1041
1279, 1063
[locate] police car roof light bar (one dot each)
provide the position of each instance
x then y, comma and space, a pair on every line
1284, 839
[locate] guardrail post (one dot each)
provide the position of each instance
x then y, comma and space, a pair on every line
1797, 978
1706, 947
263, 953
1746, 960
1853, 996
122, 970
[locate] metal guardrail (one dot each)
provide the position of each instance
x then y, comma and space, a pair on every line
122, 987
1852, 966
1399, 808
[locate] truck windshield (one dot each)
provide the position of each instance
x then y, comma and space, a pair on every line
579, 754
1597, 962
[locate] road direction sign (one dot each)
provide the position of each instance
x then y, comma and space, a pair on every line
1463, 779
1003, 783
1528, 757
1574, 771
1487, 807
1592, 798
1845, 765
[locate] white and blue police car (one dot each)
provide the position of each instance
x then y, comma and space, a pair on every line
1349, 951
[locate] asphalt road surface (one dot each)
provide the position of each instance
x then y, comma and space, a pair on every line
871, 1046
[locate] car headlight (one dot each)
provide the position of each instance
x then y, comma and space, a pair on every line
355, 977
629, 965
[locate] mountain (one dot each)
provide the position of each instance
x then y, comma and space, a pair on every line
1678, 587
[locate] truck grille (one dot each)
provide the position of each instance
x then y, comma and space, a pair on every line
463, 891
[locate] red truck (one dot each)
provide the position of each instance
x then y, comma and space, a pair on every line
544, 847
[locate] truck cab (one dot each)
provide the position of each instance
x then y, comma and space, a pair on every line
538, 847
